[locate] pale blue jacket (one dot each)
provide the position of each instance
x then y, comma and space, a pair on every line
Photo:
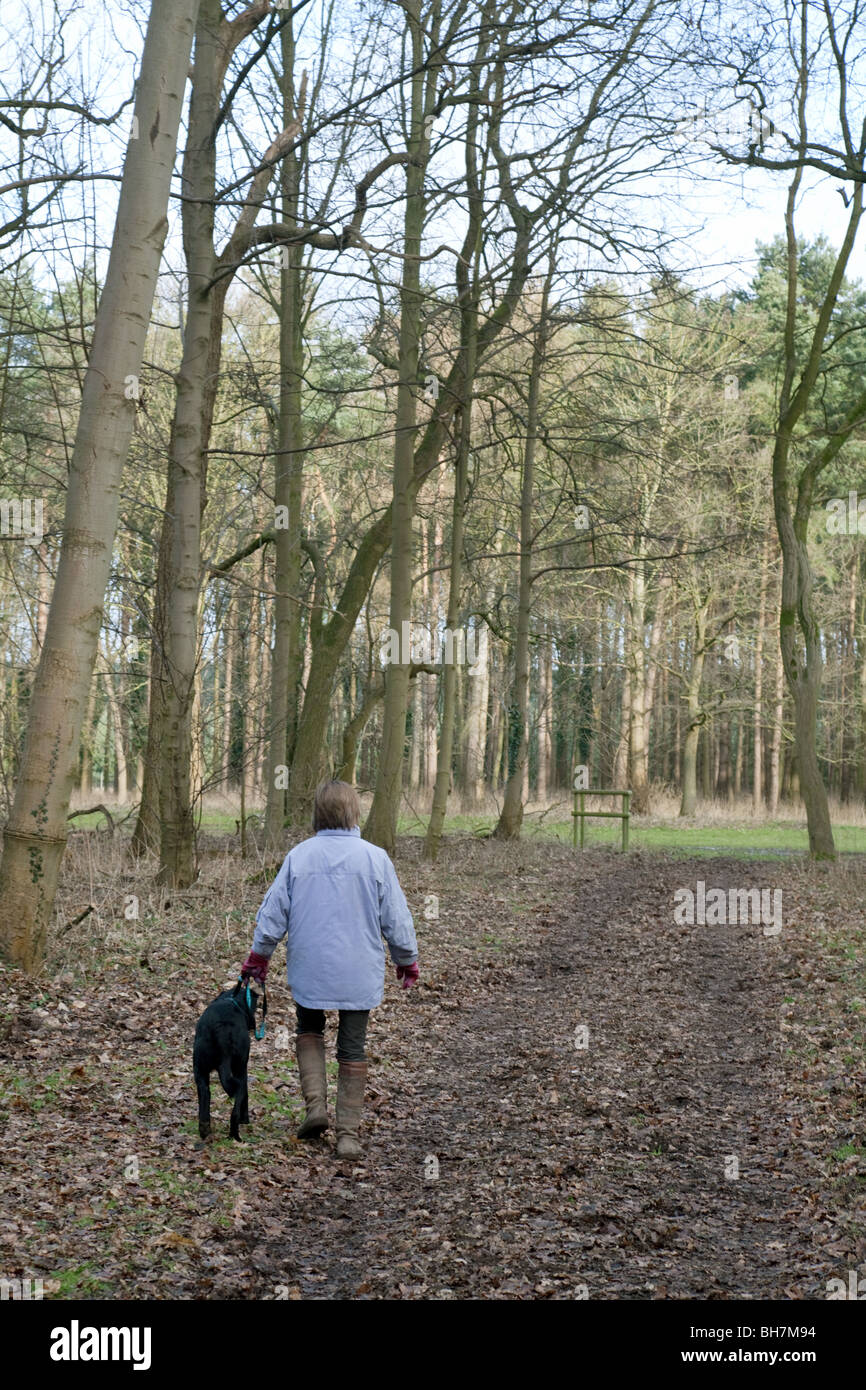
336, 895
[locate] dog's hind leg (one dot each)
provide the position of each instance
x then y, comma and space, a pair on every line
240, 1109
235, 1087
202, 1085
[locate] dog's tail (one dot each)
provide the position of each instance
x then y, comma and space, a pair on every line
230, 1083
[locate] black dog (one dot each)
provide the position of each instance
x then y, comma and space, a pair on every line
222, 1044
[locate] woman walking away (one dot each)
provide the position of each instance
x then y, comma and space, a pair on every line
334, 899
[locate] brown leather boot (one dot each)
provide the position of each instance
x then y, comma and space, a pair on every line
350, 1102
310, 1049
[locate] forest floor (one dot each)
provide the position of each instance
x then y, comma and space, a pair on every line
581, 1098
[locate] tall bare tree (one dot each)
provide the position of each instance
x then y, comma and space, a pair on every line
822, 43
35, 836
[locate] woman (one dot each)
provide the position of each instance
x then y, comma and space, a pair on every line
334, 898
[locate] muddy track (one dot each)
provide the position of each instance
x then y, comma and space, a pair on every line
581, 1099
648, 1157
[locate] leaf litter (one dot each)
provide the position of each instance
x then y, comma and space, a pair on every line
580, 1099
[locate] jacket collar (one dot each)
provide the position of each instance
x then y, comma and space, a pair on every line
356, 830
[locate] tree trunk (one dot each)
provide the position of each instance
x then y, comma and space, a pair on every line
738, 759
106, 751
707, 763
196, 750
255, 693
86, 782
288, 484
652, 666
186, 463
416, 773
116, 724
228, 696
381, 825
803, 659
265, 647
354, 729
476, 717
637, 711
695, 715
725, 760
860, 686
758, 715
620, 757
431, 688
197, 383
848, 691
35, 836
145, 837
678, 743
776, 746
545, 718
494, 739
43, 592
449, 668
468, 293
511, 815
803, 668
416, 743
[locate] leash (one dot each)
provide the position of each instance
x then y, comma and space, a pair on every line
259, 1030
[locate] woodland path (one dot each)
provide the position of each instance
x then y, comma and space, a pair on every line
503, 1157
602, 1166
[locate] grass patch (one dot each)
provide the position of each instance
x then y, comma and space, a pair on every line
848, 1151
706, 835
78, 1282
747, 840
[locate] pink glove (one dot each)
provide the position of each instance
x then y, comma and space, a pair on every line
408, 975
256, 965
